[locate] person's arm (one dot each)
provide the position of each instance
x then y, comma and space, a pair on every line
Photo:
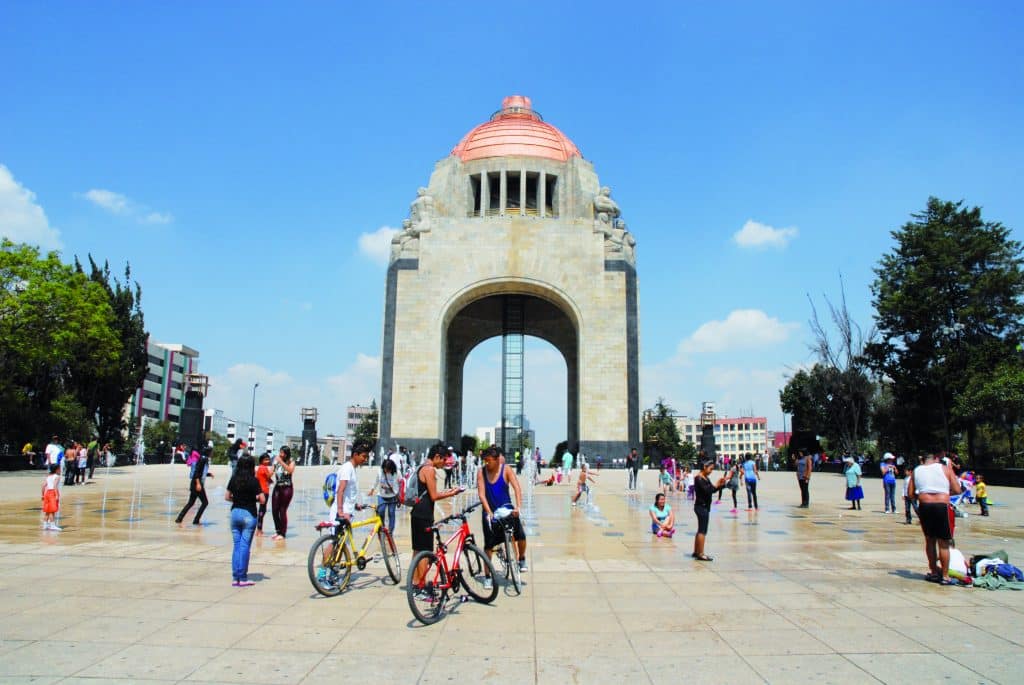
228, 496
654, 518
670, 520
911, 489
431, 483
954, 482
481, 491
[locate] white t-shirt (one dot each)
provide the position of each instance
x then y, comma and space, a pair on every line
52, 451
347, 472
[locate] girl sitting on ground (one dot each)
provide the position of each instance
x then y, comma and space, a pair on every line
663, 520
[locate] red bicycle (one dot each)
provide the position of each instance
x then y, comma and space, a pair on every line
469, 568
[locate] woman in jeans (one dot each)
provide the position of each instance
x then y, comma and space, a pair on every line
243, 491
386, 488
283, 468
889, 482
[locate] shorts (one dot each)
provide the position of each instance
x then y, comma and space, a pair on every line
494, 535
422, 536
703, 515
936, 520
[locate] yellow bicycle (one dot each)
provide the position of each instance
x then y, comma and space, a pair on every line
331, 556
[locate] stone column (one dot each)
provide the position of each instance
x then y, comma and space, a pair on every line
522, 192
503, 201
485, 193
542, 191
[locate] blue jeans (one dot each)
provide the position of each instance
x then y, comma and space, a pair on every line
890, 496
243, 525
390, 506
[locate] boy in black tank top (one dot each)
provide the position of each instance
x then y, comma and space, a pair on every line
422, 514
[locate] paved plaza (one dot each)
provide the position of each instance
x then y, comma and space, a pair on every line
823, 595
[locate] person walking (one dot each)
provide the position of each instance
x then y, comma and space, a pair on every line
284, 466
567, 465
981, 494
51, 498
854, 491
703, 489
930, 487
751, 474
803, 478
83, 464
888, 470
243, 491
235, 451
632, 464
264, 475
197, 476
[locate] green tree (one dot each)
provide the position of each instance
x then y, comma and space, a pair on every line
688, 452
948, 307
997, 399
367, 428
660, 432
159, 437
220, 448
52, 321
834, 403
104, 390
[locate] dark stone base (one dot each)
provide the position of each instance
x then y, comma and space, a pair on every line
607, 449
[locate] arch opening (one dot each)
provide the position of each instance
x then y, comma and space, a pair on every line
481, 320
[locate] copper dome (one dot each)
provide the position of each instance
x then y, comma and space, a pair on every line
515, 130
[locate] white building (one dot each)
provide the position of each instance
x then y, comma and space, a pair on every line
733, 436
162, 393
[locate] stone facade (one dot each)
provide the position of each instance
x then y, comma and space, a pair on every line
469, 241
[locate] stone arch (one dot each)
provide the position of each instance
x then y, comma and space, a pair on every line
474, 315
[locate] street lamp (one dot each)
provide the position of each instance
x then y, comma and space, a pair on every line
252, 419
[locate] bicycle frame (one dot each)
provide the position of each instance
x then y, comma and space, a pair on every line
458, 538
347, 534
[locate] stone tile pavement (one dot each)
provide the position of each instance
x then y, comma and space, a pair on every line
824, 595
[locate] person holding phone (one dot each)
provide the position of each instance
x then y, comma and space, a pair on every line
703, 489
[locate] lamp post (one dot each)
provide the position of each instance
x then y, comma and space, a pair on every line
252, 418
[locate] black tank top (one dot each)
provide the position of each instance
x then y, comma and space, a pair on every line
424, 509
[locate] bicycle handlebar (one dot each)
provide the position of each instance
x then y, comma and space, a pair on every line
459, 516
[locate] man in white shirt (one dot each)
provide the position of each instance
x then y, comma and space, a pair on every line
53, 451
346, 487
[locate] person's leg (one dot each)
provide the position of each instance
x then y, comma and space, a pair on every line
203, 503
192, 496
943, 558
906, 509
753, 491
275, 509
392, 507
734, 505
698, 545
260, 513
932, 556
286, 499
236, 538
245, 542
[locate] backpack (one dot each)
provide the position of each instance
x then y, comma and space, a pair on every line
409, 489
330, 488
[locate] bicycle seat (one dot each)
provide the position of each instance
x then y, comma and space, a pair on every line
502, 513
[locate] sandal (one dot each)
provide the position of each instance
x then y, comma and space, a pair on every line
933, 577
703, 557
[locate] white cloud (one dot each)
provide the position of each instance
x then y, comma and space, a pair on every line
757, 235
377, 245
743, 328
157, 218
122, 205
115, 203
21, 219
280, 396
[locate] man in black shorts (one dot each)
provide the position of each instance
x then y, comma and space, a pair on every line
422, 512
496, 483
930, 486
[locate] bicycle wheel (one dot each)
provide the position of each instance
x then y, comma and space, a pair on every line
477, 570
329, 565
390, 554
428, 599
512, 566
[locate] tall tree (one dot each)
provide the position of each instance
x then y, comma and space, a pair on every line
660, 432
948, 307
105, 390
367, 428
52, 319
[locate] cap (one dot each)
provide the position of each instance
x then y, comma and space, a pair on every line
848, 460
243, 444
888, 455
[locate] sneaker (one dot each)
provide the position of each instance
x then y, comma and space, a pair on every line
732, 511
523, 566
245, 583
423, 596
55, 527
235, 583
488, 583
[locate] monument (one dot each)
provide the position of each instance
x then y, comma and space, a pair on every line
513, 236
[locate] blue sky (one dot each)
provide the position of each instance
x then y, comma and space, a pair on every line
244, 158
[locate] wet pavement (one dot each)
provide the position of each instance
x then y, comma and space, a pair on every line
822, 595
